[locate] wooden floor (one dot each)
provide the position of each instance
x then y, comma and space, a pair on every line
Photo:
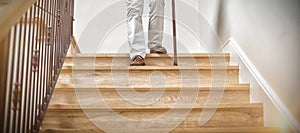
101, 93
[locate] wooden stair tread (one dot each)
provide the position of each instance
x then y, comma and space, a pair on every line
228, 130
144, 76
153, 108
151, 60
148, 68
228, 87
75, 118
230, 95
178, 130
194, 55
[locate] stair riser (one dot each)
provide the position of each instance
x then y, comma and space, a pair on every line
144, 77
51, 129
152, 61
168, 99
176, 130
226, 130
231, 117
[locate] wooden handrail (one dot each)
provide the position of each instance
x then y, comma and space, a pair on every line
75, 45
3, 77
4, 2
7, 20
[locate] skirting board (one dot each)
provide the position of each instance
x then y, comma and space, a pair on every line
268, 90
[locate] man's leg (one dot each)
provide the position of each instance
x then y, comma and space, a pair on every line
156, 26
135, 28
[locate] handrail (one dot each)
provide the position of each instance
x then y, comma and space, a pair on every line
17, 8
34, 40
4, 2
75, 46
223, 46
73, 49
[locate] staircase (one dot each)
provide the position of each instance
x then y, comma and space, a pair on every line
100, 93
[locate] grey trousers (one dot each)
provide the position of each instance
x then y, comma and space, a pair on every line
135, 26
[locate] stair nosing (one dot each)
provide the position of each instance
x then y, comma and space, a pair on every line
150, 68
234, 87
197, 129
151, 108
126, 55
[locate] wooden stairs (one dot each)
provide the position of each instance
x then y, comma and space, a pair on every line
100, 93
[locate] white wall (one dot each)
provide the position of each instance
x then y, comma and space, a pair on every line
268, 32
105, 20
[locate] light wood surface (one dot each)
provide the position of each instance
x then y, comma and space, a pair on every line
134, 76
126, 55
95, 85
11, 13
228, 87
230, 95
151, 60
179, 130
225, 116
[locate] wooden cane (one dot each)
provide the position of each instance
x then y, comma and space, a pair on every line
174, 33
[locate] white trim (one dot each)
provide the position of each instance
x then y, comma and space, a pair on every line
224, 45
264, 84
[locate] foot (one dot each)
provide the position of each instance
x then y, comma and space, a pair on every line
158, 50
137, 61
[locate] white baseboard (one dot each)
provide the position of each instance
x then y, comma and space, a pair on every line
268, 90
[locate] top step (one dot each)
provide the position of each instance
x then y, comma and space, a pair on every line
201, 59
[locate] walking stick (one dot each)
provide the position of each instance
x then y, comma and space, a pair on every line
174, 33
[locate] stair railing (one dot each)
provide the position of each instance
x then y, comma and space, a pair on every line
75, 46
34, 38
